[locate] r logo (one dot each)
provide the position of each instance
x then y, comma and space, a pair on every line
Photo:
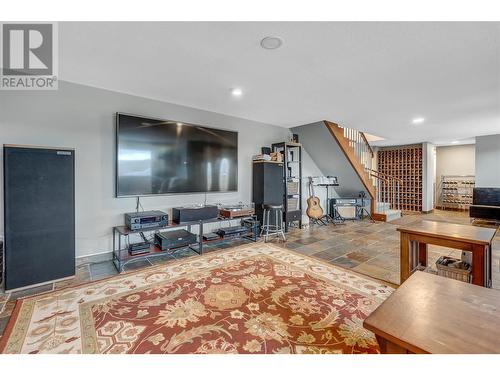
27, 49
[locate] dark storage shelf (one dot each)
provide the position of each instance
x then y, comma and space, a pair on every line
291, 214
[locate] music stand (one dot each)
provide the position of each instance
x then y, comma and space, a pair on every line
326, 182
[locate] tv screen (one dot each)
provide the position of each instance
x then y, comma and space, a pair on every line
168, 157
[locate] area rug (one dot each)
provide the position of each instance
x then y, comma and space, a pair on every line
256, 298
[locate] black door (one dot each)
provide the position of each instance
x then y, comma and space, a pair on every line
39, 201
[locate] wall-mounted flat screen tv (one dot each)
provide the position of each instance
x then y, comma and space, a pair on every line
171, 157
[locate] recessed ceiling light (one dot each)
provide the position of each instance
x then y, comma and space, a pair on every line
417, 120
271, 42
237, 92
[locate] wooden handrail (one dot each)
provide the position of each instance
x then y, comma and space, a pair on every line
380, 178
384, 174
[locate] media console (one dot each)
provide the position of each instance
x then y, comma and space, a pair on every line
121, 237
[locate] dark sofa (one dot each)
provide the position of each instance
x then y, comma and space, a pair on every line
485, 204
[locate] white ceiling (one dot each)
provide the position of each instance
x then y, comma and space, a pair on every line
374, 77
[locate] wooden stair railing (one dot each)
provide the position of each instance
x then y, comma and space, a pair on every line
359, 154
387, 188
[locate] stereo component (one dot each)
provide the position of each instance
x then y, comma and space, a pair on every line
146, 220
237, 210
347, 208
232, 231
211, 236
139, 248
174, 239
194, 213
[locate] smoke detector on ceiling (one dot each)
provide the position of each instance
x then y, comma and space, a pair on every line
271, 42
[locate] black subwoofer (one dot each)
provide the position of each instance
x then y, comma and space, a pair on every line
39, 201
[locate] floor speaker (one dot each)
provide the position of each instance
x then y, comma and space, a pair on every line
39, 201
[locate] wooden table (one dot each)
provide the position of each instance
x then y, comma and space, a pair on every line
434, 314
477, 240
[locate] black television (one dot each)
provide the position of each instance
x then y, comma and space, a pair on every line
159, 157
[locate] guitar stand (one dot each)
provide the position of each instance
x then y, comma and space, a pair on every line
321, 221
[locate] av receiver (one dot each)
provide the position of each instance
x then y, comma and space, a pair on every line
146, 220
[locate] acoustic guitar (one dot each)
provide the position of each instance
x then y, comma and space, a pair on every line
314, 210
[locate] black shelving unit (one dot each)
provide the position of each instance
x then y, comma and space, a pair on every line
121, 240
292, 176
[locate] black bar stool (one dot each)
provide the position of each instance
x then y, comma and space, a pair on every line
276, 229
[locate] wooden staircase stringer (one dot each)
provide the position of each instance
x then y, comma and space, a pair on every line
338, 134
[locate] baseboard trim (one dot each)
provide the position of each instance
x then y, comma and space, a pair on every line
39, 284
94, 258
443, 208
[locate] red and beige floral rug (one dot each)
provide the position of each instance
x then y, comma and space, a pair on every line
251, 299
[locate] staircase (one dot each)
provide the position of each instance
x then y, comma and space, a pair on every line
384, 207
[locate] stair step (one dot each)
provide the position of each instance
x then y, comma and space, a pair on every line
387, 215
392, 215
383, 206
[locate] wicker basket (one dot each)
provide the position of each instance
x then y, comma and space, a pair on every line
293, 204
292, 187
461, 274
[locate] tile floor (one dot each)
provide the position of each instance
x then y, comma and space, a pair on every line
372, 249
368, 248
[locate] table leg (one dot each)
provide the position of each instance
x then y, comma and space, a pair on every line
489, 262
422, 254
478, 265
404, 257
388, 347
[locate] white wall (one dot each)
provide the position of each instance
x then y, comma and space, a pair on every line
428, 176
309, 168
455, 161
82, 117
329, 159
488, 161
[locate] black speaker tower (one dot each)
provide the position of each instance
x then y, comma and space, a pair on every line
39, 215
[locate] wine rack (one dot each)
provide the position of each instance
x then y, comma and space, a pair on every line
455, 192
404, 163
